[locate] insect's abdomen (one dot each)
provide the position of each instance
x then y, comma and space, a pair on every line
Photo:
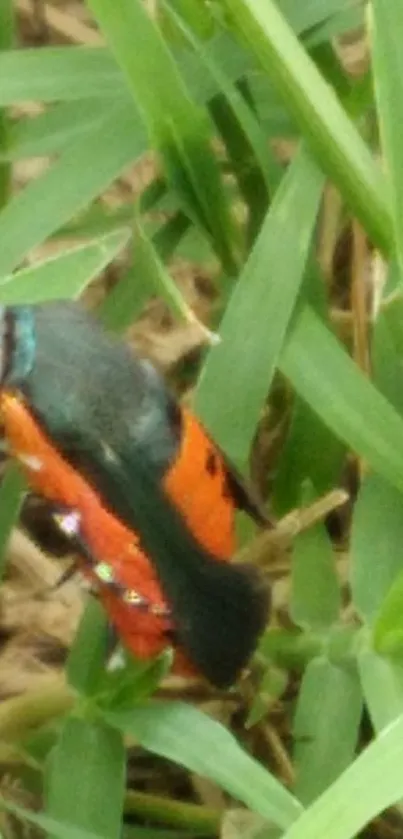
132, 597
197, 485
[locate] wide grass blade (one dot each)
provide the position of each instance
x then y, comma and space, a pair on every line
192, 739
236, 377
63, 276
82, 172
86, 778
328, 131
326, 726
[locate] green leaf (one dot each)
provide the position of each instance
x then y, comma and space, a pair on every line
370, 785
376, 544
255, 322
387, 74
388, 626
185, 735
127, 299
53, 130
63, 276
382, 683
179, 129
53, 827
332, 137
82, 172
11, 490
85, 779
89, 652
326, 726
315, 592
328, 380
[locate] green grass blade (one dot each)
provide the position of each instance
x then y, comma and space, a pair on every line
329, 133
63, 276
238, 372
382, 683
129, 296
56, 128
376, 544
53, 827
247, 122
315, 591
179, 128
185, 735
80, 175
326, 726
11, 495
89, 652
370, 785
86, 778
327, 379
387, 60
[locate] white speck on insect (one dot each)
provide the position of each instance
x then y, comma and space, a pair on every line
31, 461
68, 523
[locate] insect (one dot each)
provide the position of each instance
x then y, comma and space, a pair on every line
146, 497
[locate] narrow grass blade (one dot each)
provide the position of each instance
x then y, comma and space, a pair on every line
370, 785
179, 128
183, 734
89, 652
86, 778
63, 276
328, 380
387, 57
238, 372
127, 299
326, 726
329, 133
52, 827
6, 42
11, 490
82, 172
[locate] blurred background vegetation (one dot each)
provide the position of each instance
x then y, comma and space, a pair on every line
188, 168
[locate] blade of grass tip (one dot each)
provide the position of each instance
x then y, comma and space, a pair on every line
328, 380
256, 320
63, 276
370, 785
179, 128
386, 24
329, 132
6, 43
127, 299
153, 272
